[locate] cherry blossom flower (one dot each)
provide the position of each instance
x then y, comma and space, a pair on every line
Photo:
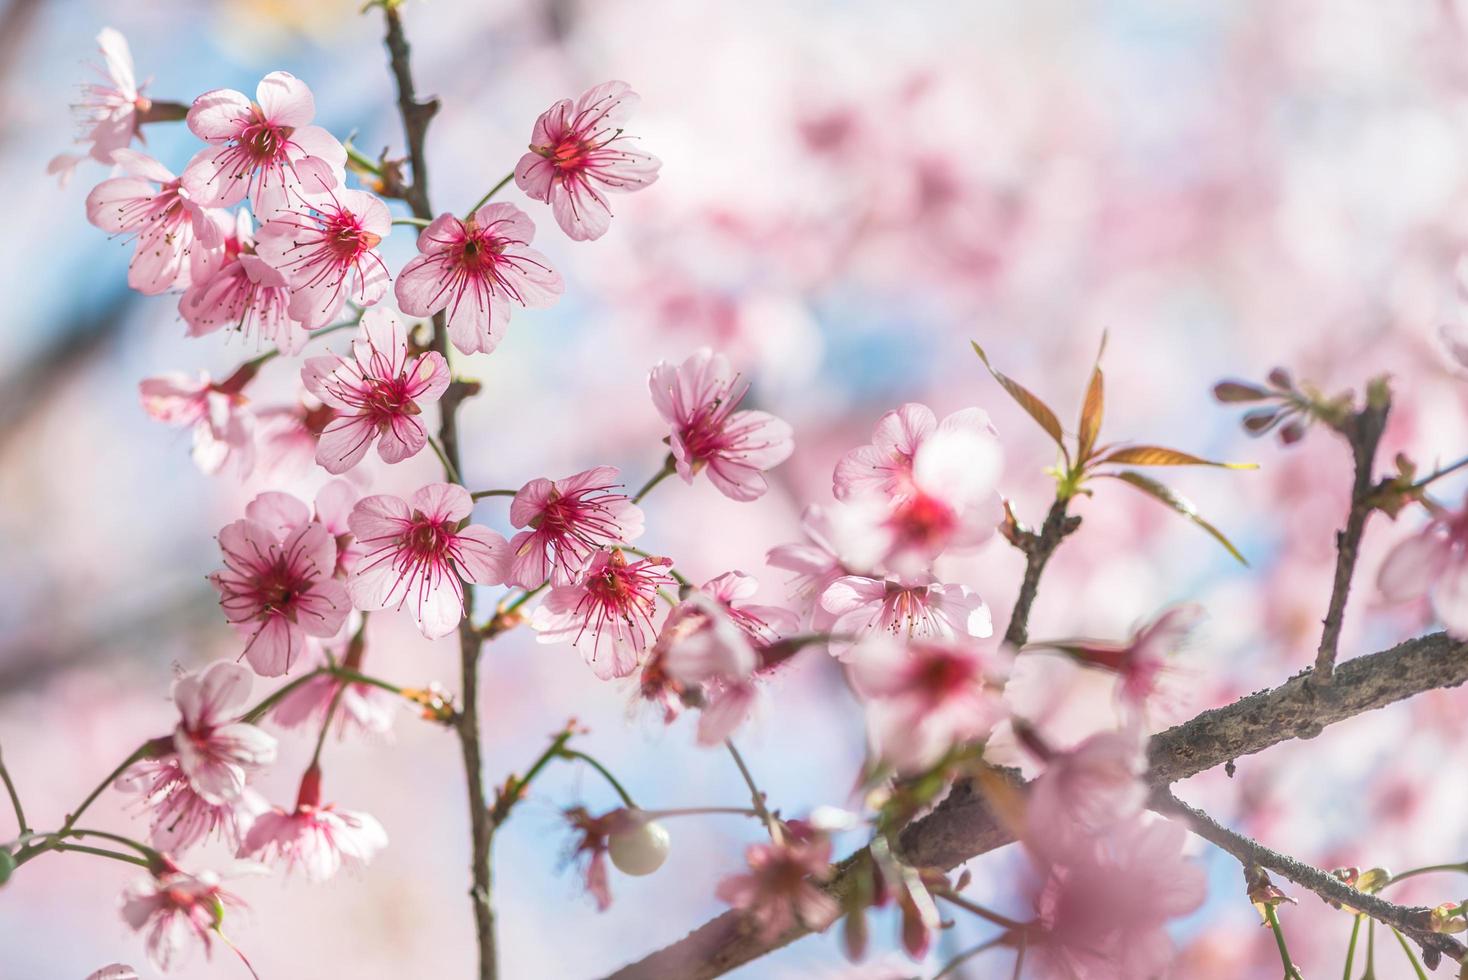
763, 624
1432, 563
885, 466
277, 586
215, 753
608, 616
177, 911
416, 555
924, 697
217, 414
778, 892
179, 817
333, 508
578, 152
262, 147
1143, 662
109, 113
475, 269
362, 708
703, 657
286, 437
568, 521
918, 608
814, 561
949, 503
245, 295
1086, 792
378, 394
325, 244
176, 238
1105, 912
318, 840
701, 398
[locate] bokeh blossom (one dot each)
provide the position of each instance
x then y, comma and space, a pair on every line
109, 109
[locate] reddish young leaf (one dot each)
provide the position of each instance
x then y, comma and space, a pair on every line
1162, 456
1037, 409
1177, 502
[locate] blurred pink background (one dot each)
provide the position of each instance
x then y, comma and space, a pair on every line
850, 192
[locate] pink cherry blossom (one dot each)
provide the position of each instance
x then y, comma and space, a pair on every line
277, 586
378, 394
703, 657
177, 911
333, 507
109, 112
217, 414
177, 240
608, 616
1433, 563
1085, 792
949, 504
1105, 912
416, 555
475, 269
781, 887
578, 152
179, 817
763, 624
700, 398
885, 466
245, 295
814, 561
568, 521
856, 607
260, 148
325, 244
924, 697
1144, 661
286, 437
215, 753
318, 840
361, 708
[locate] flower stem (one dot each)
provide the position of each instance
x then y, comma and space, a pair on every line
982, 912
700, 811
14, 797
1427, 869
677, 577
1411, 956
481, 494
493, 191
756, 797
415, 222
1351, 948
448, 467
575, 754
669, 468
515, 786
1290, 973
1440, 473
139, 753
362, 160
98, 852
275, 697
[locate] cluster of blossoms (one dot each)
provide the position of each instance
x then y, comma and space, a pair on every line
260, 235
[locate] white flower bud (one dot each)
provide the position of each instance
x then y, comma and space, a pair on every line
640, 850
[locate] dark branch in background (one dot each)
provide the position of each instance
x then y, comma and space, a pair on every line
1414, 922
962, 826
1363, 430
416, 115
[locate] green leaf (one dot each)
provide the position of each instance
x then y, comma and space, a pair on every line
1177, 502
1037, 409
1162, 456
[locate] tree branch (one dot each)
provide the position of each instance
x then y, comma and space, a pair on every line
416, 116
1415, 922
1038, 546
962, 827
1363, 430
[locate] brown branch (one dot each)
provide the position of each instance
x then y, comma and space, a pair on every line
1037, 546
1414, 922
962, 827
1363, 430
416, 116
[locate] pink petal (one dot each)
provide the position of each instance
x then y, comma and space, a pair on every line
285, 100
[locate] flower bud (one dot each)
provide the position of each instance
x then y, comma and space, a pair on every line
641, 849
